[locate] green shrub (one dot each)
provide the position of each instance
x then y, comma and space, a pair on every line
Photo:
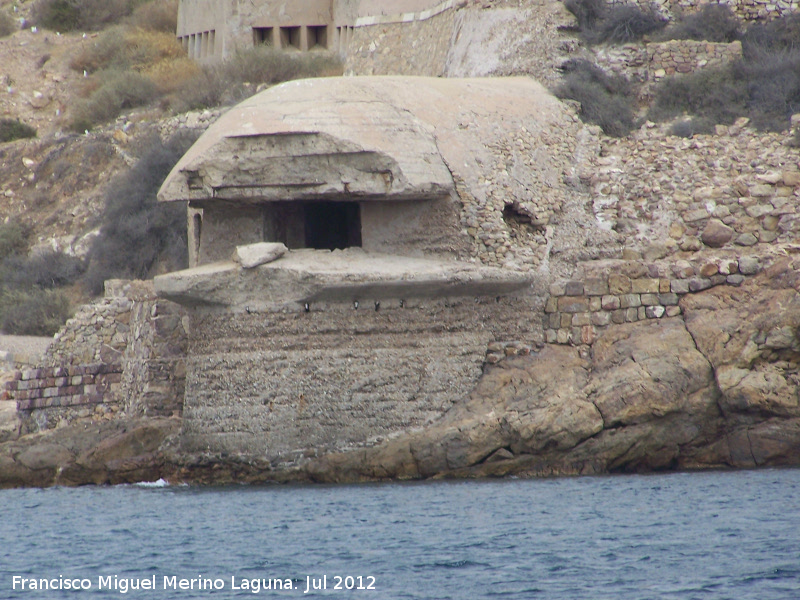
238, 77
33, 311
138, 233
7, 24
72, 15
12, 129
13, 239
120, 91
714, 23
606, 100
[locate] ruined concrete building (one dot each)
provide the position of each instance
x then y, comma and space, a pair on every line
213, 29
368, 313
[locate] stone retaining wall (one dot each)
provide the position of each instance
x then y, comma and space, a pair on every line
625, 292
123, 354
650, 62
48, 396
749, 10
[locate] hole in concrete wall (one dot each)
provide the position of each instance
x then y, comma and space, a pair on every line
514, 215
317, 37
332, 225
262, 36
197, 231
290, 37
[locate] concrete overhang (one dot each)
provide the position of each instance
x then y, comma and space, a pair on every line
319, 276
352, 138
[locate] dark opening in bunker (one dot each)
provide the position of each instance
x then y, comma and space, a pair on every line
332, 225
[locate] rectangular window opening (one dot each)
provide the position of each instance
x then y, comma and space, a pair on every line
262, 36
317, 37
290, 37
332, 225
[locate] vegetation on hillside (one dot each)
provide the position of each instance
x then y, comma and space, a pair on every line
30, 301
12, 129
763, 86
138, 234
140, 63
80, 15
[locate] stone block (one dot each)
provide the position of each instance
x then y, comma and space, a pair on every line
253, 255
609, 302
735, 279
595, 286
554, 320
644, 286
679, 286
552, 305
573, 304
664, 286
562, 336
668, 299
619, 284
716, 234
630, 300
650, 299
551, 336
588, 335
749, 265
581, 319
565, 320
573, 288
557, 289
708, 269
655, 312
641, 313
746, 239
631, 315
673, 311
717, 279
698, 284
618, 316
601, 319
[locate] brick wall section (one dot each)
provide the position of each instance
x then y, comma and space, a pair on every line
749, 10
686, 56
62, 387
578, 310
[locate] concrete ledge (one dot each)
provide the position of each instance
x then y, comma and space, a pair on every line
424, 15
306, 276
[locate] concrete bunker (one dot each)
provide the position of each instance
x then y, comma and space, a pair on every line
373, 319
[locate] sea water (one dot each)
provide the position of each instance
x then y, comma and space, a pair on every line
685, 536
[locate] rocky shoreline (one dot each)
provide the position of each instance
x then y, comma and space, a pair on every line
716, 387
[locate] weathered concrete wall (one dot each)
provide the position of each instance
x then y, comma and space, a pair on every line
289, 385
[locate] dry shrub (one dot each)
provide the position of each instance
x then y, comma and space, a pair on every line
714, 23
238, 77
157, 15
600, 23
73, 15
13, 239
766, 90
172, 75
138, 233
606, 100
118, 91
33, 311
12, 129
121, 48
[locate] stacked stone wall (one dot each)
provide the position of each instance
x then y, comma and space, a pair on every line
286, 385
651, 62
617, 292
748, 10
121, 355
48, 396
